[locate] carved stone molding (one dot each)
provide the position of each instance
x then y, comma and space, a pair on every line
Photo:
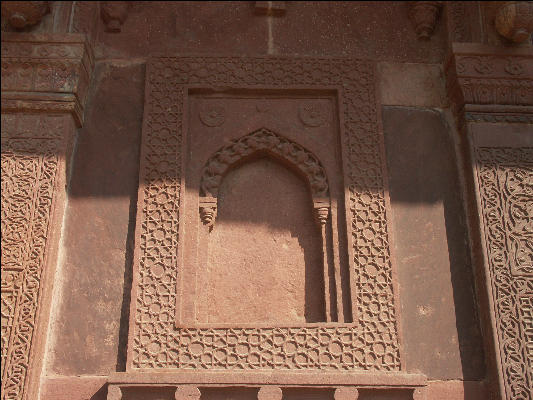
423, 15
114, 13
514, 20
271, 384
45, 73
208, 210
22, 14
491, 80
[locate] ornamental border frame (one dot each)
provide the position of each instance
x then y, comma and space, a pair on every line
154, 342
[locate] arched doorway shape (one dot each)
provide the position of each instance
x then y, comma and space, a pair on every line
265, 141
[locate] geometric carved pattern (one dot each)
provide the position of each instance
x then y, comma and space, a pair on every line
372, 341
30, 160
505, 179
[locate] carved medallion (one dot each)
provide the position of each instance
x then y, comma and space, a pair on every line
312, 115
212, 115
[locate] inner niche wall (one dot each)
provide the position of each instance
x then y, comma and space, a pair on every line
265, 250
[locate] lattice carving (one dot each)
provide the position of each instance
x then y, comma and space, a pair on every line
370, 343
505, 177
31, 146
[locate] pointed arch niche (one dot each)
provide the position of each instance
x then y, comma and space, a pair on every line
264, 250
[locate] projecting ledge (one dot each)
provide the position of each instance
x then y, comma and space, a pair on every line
256, 378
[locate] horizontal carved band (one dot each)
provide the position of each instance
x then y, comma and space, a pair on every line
479, 74
45, 72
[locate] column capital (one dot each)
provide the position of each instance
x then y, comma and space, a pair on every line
46, 73
489, 83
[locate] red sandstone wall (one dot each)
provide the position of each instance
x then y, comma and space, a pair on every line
439, 316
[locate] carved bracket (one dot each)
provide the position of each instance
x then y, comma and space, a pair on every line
423, 15
22, 14
114, 13
208, 210
514, 20
322, 211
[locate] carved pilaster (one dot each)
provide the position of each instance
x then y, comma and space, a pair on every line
44, 82
492, 88
321, 211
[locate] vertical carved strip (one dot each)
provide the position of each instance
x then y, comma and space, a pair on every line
32, 148
505, 181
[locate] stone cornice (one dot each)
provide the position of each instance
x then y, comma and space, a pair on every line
46, 73
486, 81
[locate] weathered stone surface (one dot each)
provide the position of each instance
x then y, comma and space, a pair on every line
441, 339
101, 203
417, 85
272, 255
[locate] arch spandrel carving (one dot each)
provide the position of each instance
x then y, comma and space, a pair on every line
263, 141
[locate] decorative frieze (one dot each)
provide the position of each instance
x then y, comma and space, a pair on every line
486, 76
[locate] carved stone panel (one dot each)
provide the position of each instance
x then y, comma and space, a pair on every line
323, 111
504, 177
32, 177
